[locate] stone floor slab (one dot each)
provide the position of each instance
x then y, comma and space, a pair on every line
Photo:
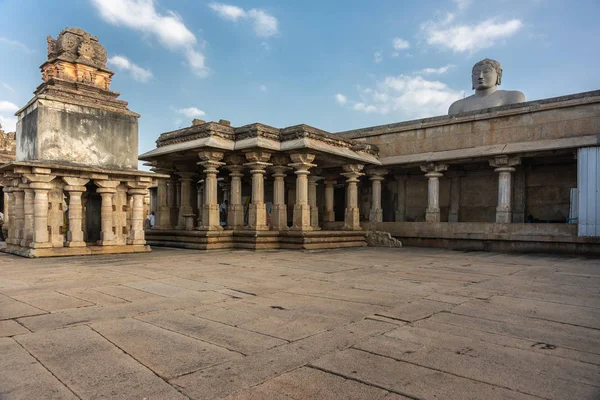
22, 377
226, 336
11, 328
92, 367
165, 352
410, 380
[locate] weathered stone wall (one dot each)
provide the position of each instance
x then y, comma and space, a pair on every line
548, 191
53, 131
478, 196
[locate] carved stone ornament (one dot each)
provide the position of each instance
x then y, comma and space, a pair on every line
86, 50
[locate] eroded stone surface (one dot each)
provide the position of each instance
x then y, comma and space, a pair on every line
384, 323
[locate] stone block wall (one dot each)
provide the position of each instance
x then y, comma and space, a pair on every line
548, 191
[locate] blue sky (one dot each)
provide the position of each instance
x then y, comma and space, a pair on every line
335, 65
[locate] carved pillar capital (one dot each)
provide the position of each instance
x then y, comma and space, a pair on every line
505, 163
434, 169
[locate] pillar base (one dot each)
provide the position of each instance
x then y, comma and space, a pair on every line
279, 217
189, 221
302, 218
210, 228
107, 243
352, 219
314, 218
136, 242
376, 215
39, 245
329, 216
75, 244
503, 216
24, 242
235, 216
432, 216
257, 217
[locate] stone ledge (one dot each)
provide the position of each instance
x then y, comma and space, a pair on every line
74, 251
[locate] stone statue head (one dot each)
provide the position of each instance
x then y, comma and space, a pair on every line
486, 74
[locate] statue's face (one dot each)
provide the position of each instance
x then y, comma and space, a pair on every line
484, 77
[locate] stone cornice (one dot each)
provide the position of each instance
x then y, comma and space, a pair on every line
257, 130
193, 132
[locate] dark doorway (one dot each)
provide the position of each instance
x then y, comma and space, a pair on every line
92, 214
339, 202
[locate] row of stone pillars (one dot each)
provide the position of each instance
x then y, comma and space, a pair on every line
28, 206
305, 211
504, 165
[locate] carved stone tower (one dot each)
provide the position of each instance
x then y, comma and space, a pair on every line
74, 117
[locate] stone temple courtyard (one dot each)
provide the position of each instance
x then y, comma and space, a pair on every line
365, 323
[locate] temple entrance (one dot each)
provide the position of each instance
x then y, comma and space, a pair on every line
93, 203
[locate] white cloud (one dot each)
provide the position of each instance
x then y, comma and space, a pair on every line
341, 99
377, 57
470, 38
191, 112
265, 25
437, 71
226, 11
8, 107
400, 44
462, 4
8, 124
407, 96
16, 43
7, 119
168, 29
138, 73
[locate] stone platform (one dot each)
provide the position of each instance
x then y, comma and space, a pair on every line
381, 324
255, 240
482, 236
74, 251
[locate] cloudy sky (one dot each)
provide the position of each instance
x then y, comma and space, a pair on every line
335, 65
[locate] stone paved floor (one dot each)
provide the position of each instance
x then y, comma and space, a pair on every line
348, 324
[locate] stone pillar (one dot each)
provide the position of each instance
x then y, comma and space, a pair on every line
257, 214
10, 209
455, 178
329, 214
401, 203
434, 173
75, 187
279, 214
520, 195
172, 201
27, 236
210, 209
163, 213
301, 162
235, 209
352, 213
40, 183
505, 167
107, 190
19, 214
185, 202
312, 200
137, 191
200, 201
376, 176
